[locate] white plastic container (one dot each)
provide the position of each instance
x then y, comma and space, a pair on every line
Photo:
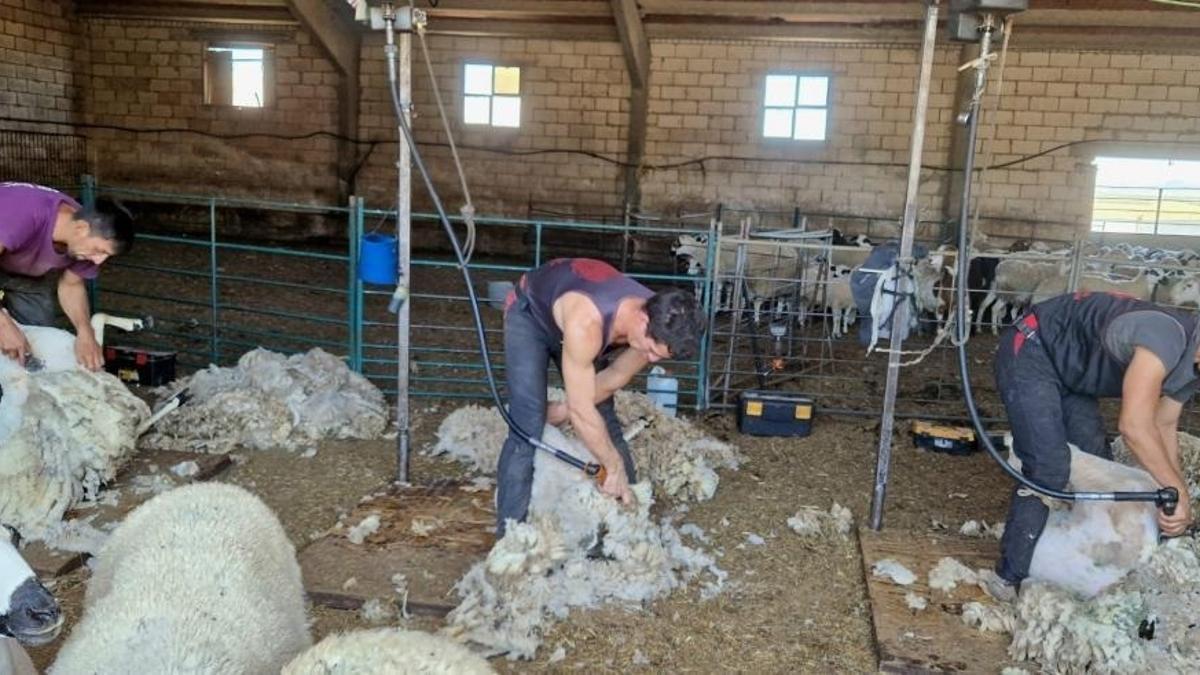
664, 391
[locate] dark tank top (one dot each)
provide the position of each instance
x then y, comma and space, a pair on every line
598, 280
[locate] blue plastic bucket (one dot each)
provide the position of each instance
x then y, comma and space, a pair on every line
378, 262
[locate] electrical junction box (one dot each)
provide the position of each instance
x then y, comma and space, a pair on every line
962, 21
763, 413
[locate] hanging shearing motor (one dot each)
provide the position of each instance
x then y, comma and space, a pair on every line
976, 21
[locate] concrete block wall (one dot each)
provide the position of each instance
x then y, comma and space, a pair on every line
37, 76
149, 75
574, 97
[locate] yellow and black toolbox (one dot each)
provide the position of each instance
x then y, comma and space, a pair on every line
762, 413
944, 438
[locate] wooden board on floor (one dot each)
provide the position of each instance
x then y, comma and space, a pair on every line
431, 534
49, 563
934, 640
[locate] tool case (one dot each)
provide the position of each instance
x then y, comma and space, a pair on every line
945, 439
773, 413
134, 365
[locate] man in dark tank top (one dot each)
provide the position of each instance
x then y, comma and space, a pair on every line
1051, 368
575, 311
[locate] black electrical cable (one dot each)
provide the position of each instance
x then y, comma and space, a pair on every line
1166, 498
590, 468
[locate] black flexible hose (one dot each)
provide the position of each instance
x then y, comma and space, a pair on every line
590, 468
1166, 498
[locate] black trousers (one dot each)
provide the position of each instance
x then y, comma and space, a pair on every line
528, 351
1044, 416
30, 301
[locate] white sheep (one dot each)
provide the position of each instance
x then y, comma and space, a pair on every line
29, 614
64, 431
1014, 285
201, 579
387, 650
1141, 287
1091, 545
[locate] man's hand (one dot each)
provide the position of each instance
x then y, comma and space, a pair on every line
88, 352
616, 484
13, 342
557, 413
1173, 526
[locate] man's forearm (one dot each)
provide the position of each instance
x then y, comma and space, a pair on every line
1154, 454
73, 298
592, 431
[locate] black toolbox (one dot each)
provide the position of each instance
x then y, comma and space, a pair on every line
145, 367
762, 413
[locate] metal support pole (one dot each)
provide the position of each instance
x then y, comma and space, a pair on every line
403, 229
900, 320
87, 198
1158, 210
214, 349
352, 245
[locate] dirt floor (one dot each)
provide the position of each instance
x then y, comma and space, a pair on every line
791, 606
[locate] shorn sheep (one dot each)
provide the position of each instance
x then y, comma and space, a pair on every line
388, 650
1145, 622
201, 580
28, 612
64, 432
578, 549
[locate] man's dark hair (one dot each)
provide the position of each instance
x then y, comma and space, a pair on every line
676, 321
109, 220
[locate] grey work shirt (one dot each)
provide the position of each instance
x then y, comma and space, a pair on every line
1167, 339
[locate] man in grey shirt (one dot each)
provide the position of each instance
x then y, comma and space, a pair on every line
1052, 368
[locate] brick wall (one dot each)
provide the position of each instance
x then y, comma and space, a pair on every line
149, 75
36, 51
574, 97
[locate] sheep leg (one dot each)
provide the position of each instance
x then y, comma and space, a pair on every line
988, 301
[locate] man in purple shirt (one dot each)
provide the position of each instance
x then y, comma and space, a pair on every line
47, 242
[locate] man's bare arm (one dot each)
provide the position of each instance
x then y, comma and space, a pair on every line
1141, 392
1166, 418
618, 373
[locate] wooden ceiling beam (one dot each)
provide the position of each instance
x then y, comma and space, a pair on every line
334, 31
211, 12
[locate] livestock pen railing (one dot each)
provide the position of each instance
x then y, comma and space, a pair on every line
215, 293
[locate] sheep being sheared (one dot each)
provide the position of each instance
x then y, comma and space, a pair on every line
674, 454
64, 432
272, 401
579, 548
387, 650
201, 579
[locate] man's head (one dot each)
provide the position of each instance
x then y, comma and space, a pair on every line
673, 328
96, 233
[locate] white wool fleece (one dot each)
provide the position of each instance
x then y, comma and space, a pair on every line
388, 650
200, 580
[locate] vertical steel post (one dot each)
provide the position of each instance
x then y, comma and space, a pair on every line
359, 298
1158, 210
87, 197
214, 348
352, 243
403, 232
537, 244
900, 318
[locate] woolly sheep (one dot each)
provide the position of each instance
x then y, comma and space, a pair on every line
1014, 284
28, 612
64, 431
387, 650
202, 580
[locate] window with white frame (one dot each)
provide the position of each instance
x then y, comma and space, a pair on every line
796, 106
492, 95
1147, 196
237, 75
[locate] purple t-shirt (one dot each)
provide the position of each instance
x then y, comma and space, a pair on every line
27, 216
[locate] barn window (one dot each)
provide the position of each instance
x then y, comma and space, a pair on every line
796, 107
236, 75
1146, 196
492, 95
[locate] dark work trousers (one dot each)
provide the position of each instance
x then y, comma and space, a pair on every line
30, 301
528, 351
1044, 416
